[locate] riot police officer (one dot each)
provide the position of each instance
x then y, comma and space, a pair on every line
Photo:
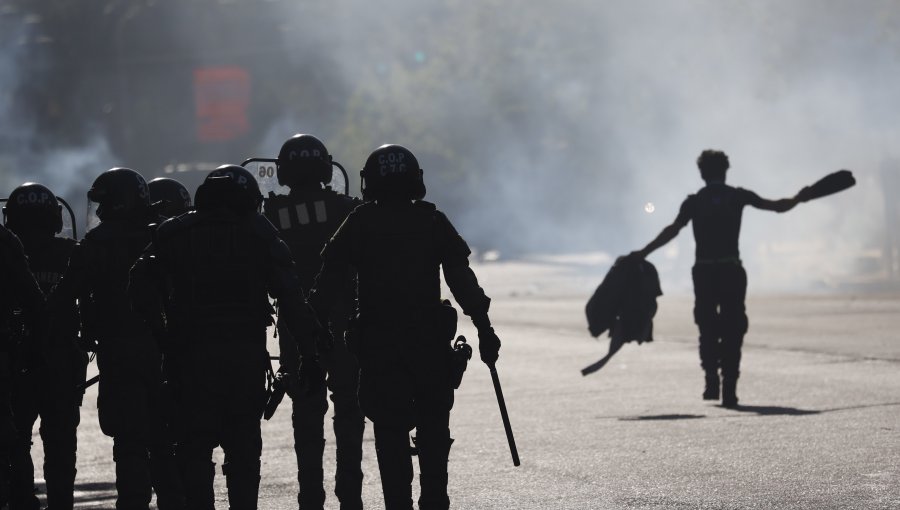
130, 398
306, 218
168, 197
397, 244
51, 374
204, 285
22, 295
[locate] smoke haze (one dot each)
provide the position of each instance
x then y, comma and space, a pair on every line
548, 127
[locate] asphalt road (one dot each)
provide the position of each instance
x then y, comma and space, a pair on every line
819, 425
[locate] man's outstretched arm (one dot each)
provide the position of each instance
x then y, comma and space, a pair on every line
662, 239
779, 206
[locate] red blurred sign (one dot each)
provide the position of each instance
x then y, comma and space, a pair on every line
222, 97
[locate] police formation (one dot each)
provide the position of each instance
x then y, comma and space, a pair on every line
174, 297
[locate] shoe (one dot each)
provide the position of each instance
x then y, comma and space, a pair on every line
729, 394
711, 392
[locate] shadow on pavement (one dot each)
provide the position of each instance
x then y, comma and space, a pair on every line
793, 411
775, 410
663, 417
87, 494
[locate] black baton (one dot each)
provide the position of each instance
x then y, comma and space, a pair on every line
87, 384
503, 414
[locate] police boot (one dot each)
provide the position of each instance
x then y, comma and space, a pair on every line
395, 466
28, 501
711, 391
242, 479
310, 475
59, 469
729, 392
21, 485
4, 480
197, 475
60, 487
433, 455
166, 482
349, 477
133, 488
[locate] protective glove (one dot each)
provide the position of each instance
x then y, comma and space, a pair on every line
310, 376
286, 380
488, 345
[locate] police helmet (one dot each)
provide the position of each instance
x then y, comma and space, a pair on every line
303, 160
33, 206
121, 193
392, 172
169, 197
231, 187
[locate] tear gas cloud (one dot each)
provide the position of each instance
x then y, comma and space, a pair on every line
553, 127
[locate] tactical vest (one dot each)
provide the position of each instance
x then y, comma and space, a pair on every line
7, 297
48, 261
109, 250
398, 260
306, 220
18, 290
215, 263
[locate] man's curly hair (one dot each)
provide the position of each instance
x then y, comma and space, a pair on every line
712, 165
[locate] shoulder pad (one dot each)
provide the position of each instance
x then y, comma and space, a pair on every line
64, 243
275, 201
346, 203
174, 225
263, 227
365, 206
427, 206
102, 232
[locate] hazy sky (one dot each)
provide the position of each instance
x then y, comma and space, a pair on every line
548, 127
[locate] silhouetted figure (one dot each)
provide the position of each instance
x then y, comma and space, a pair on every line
21, 306
168, 197
306, 218
204, 285
397, 244
130, 400
720, 282
49, 373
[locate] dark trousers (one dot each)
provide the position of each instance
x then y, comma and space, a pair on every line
308, 419
8, 434
241, 441
220, 388
719, 293
131, 409
52, 395
349, 425
404, 384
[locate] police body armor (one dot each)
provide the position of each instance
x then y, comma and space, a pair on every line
215, 252
108, 251
48, 261
306, 220
400, 272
